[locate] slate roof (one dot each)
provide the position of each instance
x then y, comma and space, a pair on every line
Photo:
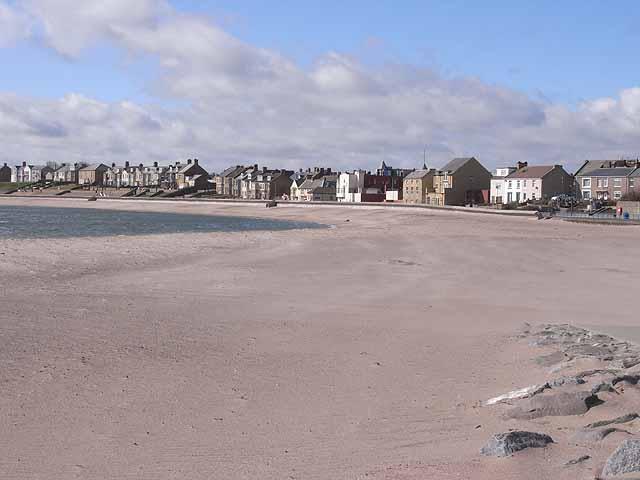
418, 174
455, 164
95, 166
537, 171
609, 172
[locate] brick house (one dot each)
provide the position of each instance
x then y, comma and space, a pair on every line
607, 179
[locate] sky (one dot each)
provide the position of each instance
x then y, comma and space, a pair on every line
294, 84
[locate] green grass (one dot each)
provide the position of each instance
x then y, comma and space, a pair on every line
11, 186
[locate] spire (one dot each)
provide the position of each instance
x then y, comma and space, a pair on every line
383, 166
424, 166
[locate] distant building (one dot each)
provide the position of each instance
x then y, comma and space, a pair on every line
461, 181
607, 179
5, 174
224, 181
67, 173
265, 184
28, 173
185, 176
539, 182
361, 186
300, 177
417, 185
497, 190
92, 175
322, 189
386, 171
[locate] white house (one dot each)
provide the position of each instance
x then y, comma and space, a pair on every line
350, 186
497, 189
539, 182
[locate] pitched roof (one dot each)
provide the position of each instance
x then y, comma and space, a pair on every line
417, 174
609, 172
95, 166
537, 171
232, 171
455, 164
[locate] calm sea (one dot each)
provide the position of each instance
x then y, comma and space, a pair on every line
52, 222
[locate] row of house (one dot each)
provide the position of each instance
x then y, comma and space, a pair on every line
460, 181
175, 176
608, 179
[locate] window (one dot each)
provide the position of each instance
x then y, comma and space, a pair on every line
603, 182
510, 184
586, 183
518, 184
533, 196
524, 184
498, 187
617, 194
586, 195
617, 182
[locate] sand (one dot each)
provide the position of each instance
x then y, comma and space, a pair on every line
365, 350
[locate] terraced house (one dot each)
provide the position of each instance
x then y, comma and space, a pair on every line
608, 179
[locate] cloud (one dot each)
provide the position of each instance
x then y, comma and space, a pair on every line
14, 25
242, 103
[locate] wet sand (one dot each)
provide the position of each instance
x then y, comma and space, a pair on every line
360, 351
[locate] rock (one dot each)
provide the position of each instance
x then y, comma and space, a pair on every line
562, 381
525, 392
629, 417
632, 379
602, 387
589, 436
625, 459
505, 444
576, 461
554, 405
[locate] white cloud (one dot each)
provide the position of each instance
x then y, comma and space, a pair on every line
247, 104
14, 25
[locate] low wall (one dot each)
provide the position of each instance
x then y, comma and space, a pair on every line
633, 208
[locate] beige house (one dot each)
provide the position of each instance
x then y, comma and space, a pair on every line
461, 181
92, 175
417, 184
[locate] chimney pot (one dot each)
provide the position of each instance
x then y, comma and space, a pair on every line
155, 164
24, 164
189, 162
126, 164
195, 161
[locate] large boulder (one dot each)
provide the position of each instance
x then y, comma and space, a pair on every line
554, 405
505, 444
625, 459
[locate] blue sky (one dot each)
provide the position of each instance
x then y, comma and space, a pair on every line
349, 81
564, 51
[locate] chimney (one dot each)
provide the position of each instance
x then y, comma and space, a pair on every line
255, 167
522, 165
126, 164
155, 164
141, 165
113, 164
264, 169
189, 162
75, 165
195, 161
24, 164
5, 164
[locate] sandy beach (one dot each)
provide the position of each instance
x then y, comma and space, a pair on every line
364, 350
